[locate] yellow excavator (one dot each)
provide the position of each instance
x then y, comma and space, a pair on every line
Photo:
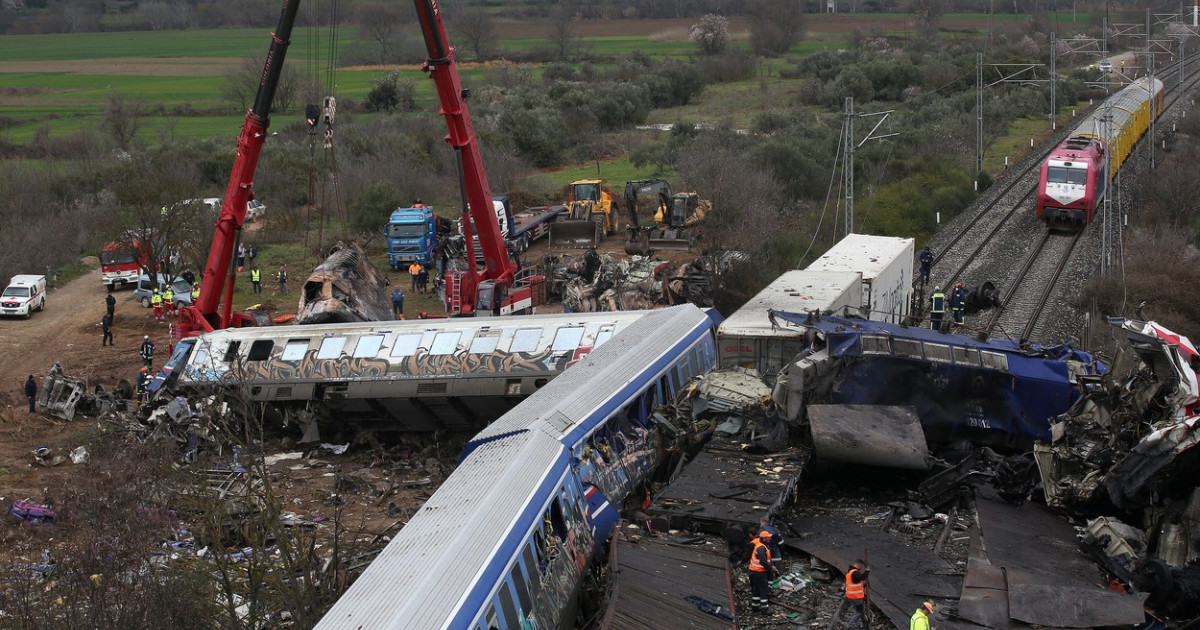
675, 220
591, 215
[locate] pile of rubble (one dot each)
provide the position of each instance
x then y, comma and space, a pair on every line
598, 282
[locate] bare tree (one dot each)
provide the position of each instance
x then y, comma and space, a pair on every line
121, 119
563, 32
478, 29
380, 23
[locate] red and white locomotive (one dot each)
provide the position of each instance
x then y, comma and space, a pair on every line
1075, 177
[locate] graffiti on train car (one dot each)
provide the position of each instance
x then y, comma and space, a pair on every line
310, 367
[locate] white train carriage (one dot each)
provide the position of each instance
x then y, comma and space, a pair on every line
417, 375
505, 541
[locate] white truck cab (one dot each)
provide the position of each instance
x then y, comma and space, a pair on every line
25, 294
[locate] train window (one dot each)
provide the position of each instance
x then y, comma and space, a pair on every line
445, 343
294, 350
872, 344
260, 350
937, 352
492, 620
1066, 175
484, 345
331, 347
966, 356
908, 348
520, 585
231, 351
525, 340
567, 339
994, 360
531, 564
556, 520
506, 605
606, 333
406, 345
368, 346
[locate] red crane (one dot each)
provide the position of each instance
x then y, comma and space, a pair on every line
496, 288
213, 308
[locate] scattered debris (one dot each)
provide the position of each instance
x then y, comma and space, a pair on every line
33, 512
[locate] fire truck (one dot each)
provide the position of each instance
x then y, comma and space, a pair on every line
122, 261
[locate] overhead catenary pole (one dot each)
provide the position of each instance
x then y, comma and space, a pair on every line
848, 166
1053, 83
978, 113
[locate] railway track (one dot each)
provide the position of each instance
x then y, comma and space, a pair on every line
993, 242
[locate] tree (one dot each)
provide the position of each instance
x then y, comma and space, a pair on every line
389, 93
711, 34
775, 27
478, 29
562, 32
241, 85
121, 120
380, 23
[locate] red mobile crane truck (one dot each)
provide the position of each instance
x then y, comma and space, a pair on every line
498, 288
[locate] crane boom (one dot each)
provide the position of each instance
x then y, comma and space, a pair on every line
213, 307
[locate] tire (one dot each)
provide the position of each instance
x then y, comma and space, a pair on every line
29, 313
145, 302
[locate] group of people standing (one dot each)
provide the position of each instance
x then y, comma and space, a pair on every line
766, 557
938, 302
419, 276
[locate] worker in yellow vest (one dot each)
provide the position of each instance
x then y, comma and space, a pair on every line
937, 308
920, 619
256, 280
156, 301
169, 302
195, 292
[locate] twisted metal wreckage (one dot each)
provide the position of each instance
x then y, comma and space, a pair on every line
1113, 449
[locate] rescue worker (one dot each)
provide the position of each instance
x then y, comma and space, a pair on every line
106, 323
423, 280
926, 259
110, 303
195, 292
958, 304
937, 308
920, 619
761, 570
856, 593
169, 302
414, 273
147, 351
398, 303
156, 301
774, 544
143, 380
282, 278
241, 257
31, 392
256, 280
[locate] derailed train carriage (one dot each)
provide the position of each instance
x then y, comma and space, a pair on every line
506, 540
410, 375
1075, 177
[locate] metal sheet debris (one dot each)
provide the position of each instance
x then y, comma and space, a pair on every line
876, 435
659, 584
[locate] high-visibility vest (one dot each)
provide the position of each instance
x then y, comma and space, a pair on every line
414, 269
195, 293
755, 565
939, 303
169, 297
156, 300
255, 275
854, 590
919, 621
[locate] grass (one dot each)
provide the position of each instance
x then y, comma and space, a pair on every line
158, 45
615, 171
1015, 143
733, 104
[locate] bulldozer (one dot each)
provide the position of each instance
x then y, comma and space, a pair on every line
675, 219
590, 217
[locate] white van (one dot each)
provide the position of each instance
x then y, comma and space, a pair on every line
24, 295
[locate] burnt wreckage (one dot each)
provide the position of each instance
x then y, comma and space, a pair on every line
1113, 449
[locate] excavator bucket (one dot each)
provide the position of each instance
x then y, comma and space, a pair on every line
576, 233
637, 243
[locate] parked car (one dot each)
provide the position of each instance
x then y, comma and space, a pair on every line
24, 295
1105, 66
255, 210
145, 290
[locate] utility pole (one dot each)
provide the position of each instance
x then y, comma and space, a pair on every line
1053, 83
978, 114
848, 155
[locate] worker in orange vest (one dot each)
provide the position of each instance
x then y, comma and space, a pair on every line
856, 593
761, 570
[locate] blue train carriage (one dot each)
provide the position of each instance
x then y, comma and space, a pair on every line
603, 408
506, 540
379, 370
996, 391
501, 544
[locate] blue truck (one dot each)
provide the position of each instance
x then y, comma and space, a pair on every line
412, 235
